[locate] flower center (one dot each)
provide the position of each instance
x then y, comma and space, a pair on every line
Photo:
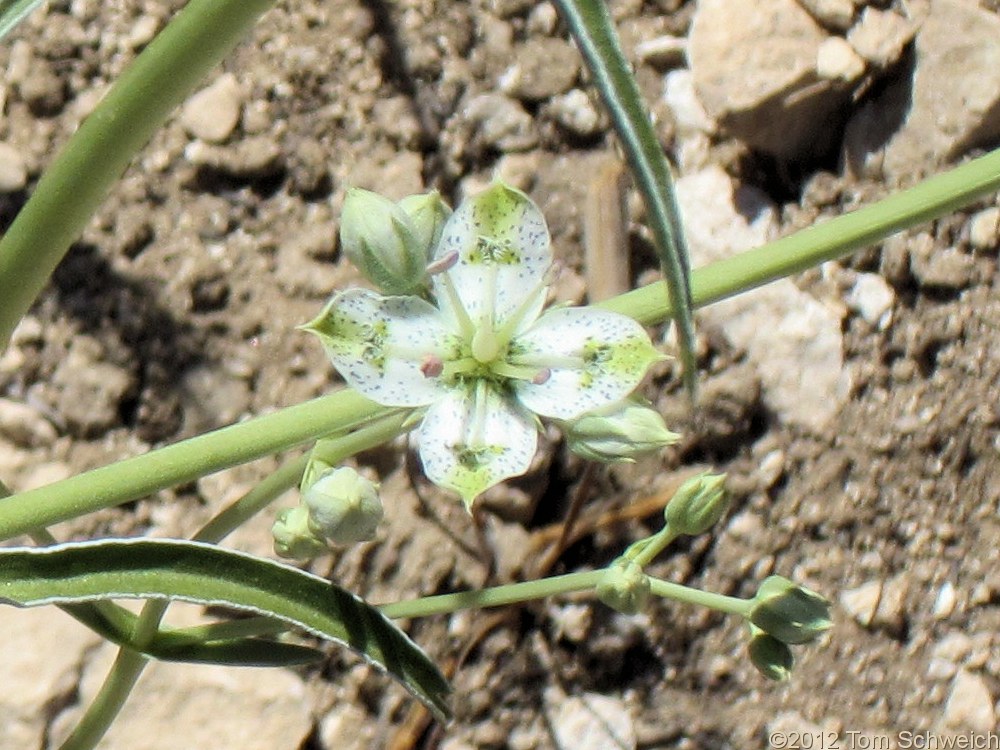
486, 344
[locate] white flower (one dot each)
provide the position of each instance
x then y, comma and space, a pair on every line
485, 359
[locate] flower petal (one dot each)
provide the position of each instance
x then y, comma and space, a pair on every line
503, 249
594, 357
474, 438
379, 345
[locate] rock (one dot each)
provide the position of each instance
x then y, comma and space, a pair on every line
948, 269
754, 67
212, 113
861, 603
575, 112
836, 60
872, 298
970, 705
253, 158
880, 36
834, 14
662, 51
501, 123
40, 655
543, 67
792, 340
984, 229
13, 171
194, 705
23, 425
88, 391
682, 99
42, 90
945, 602
952, 110
589, 722
348, 727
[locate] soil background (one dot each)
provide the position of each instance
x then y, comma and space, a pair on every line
175, 313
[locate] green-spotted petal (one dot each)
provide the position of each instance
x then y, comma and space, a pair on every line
593, 358
503, 249
380, 345
474, 438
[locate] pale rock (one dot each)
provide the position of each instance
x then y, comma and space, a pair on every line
40, 654
890, 614
754, 68
745, 526
23, 425
954, 648
347, 727
543, 67
940, 669
501, 123
984, 229
254, 158
212, 113
576, 113
835, 14
571, 622
543, 19
836, 60
43, 474
862, 602
194, 705
143, 31
955, 101
944, 603
794, 341
947, 268
589, 722
880, 36
872, 298
13, 171
970, 705
662, 51
682, 99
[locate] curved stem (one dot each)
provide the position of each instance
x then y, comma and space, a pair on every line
77, 181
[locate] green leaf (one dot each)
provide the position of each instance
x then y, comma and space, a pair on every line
595, 35
12, 12
205, 574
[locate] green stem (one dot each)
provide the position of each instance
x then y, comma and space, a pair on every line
108, 702
832, 239
647, 550
77, 181
184, 462
728, 604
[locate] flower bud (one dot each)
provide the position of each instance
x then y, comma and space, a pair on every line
772, 658
381, 240
789, 612
624, 587
428, 213
698, 504
618, 432
293, 539
344, 507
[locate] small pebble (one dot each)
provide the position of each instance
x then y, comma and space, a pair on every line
212, 113
970, 705
984, 229
836, 60
13, 171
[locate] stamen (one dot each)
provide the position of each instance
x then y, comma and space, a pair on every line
432, 366
542, 376
442, 264
464, 321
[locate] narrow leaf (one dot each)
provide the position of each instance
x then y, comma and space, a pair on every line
12, 12
594, 32
205, 574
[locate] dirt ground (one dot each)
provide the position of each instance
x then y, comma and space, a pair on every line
175, 314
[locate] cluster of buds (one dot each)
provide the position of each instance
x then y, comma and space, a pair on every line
783, 614
338, 506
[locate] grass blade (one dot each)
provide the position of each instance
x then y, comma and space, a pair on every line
12, 12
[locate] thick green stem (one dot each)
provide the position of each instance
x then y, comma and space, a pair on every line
110, 698
184, 462
77, 181
719, 602
832, 239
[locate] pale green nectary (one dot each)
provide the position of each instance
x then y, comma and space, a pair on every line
485, 358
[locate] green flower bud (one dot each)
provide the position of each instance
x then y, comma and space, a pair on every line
789, 612
772, 658
381, 240
699, 503
344, 507
624, 587
293, 539
618, 432
428, 213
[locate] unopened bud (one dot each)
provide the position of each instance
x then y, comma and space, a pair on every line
380, 239
293, 539
344, 507
789, 612
618, 433
428, 213
624, 587
698, 504
772, 657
